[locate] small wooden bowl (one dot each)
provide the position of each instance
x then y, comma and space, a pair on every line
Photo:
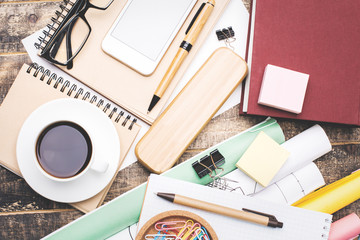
174, 215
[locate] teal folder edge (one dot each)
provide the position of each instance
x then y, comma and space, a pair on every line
124, 210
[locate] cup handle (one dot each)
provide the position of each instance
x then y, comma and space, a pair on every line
99, 166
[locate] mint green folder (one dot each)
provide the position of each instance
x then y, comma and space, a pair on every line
124, 210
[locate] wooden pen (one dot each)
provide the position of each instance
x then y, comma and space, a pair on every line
246, 214
192, 34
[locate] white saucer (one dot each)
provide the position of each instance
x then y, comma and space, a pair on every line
104, 138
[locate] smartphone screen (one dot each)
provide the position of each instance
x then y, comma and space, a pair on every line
147, 25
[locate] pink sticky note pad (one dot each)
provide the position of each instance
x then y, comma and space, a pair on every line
283, 89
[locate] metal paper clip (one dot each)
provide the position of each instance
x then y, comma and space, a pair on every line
189, 232
164, 226
185, 230
206, 235
195, 225
200, 234
162, 236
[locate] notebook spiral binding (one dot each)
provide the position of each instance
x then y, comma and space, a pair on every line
65, 84
57, 21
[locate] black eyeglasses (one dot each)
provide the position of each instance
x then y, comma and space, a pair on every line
69, 31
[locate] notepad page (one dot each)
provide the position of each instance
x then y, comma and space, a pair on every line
299, 224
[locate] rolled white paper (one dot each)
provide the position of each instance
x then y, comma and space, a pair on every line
304, 148
294, 186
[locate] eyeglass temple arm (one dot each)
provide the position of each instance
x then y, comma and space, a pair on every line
57, 45
68, 45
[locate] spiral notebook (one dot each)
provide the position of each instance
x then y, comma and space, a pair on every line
299, 223
35, 86
136, 90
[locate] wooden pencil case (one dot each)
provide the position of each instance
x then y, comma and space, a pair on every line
191, 110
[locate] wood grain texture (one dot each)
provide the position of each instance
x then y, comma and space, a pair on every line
26, 215
126, 180
25, 1
16, 195
9, 68
34, 225
19, 20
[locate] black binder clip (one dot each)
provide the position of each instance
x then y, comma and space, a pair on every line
208, 163
225, 33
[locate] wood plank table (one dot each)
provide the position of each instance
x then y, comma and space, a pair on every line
26, 215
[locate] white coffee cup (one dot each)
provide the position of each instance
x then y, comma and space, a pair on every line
64, 151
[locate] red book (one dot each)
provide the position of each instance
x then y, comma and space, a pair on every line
317, 37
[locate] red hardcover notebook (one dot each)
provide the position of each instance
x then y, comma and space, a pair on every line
317, 37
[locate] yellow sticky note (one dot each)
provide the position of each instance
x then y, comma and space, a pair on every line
263, 159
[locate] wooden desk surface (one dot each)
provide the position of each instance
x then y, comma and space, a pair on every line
26, 215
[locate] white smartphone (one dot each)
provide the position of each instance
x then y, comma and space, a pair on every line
144, 30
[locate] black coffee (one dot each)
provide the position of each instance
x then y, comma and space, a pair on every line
63, 149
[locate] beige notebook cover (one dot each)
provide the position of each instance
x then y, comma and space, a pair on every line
28, 93
109, 77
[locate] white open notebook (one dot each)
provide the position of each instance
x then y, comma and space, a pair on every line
299, 223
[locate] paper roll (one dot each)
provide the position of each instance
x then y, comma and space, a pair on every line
304, 148
346, 228
334, 196
293, 187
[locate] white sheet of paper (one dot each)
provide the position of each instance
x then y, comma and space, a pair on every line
235, 15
